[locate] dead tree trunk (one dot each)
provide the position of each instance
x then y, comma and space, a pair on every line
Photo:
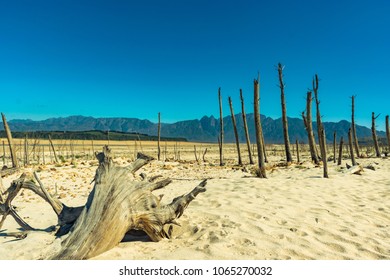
165, 151
196, 155
284, 115
158, 136
334, 146
388, 133
373, 129
318, 114
204, 155
14, 159
221, 162
3, 153
116, 205
93, 147
261, 172
323, 151
248, 142
235, 131
353, 126
297, 146
351, 147
340, 151
54, 151
26, 157
43, 154
308, 122
84, 153
321, 129
263, 145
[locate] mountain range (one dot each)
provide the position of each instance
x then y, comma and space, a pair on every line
204, 130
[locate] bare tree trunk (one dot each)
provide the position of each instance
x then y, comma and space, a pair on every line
34, 149
43, 154
261, 172
158, 136
334, 146
308, 122
373, 129
221, 162
248, 143
140, 142
196, 155
321, 129
2, 198
93, 148
14, 159
26, 157
351, 147
54, 151
84, 153
340, 151
235, 131
39, 153
263, 145
51, 156
323, 151
297, 145
204, 155
3, 153
388, 132
165, 151
175, 151
318, 114
284, 115
71, 148
20, 150
353, 126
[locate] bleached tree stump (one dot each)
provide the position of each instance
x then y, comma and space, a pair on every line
116, 205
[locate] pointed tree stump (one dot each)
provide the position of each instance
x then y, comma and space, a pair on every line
116, 205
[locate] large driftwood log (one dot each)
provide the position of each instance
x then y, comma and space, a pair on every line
116, 205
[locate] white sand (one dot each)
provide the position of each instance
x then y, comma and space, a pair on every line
294, 214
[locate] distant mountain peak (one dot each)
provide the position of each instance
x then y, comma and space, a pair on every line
204, 130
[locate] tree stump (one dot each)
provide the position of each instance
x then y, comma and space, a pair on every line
116, 205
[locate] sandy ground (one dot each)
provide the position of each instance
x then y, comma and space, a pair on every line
293, 214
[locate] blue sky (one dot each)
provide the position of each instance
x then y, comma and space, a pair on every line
138, 58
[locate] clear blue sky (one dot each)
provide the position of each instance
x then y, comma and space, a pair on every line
136, 58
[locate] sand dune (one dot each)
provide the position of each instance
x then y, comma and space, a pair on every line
294, 214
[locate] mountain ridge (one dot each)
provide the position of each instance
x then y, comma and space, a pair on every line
205, 129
